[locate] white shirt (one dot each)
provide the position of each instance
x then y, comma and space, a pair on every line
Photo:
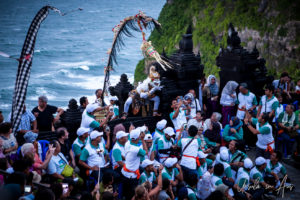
179, 120
132, 159
244, 100
191, 150
194, 122
227, 100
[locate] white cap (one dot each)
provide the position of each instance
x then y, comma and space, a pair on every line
223, 148
91, 107
82, 131
142, 128
146, 163
135, 134
201, 154
95, 134
161, 124
113, 98
248, 164
121, 134
169, 131
148, 137
170, 162
260, 160
224, 155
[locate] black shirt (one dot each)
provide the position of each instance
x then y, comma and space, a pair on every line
45, 118
65, 149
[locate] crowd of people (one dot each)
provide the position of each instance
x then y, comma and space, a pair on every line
202, 149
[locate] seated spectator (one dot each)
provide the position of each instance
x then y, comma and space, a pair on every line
44, 114
71, 119
30, 137
59, 168
288, 125
28, 151
212, 135
216, 178
148, 174
151, 149
166, 193
215, 117
233, 130
205, 163
197, 121
236, 157
65, 146
274, 164
83, 103
223, 158
9, 142
281, 86
106, 184
14, 186
80, 142
44, 194
258, 173
228, 100
94, 156
172, 171
191, 186
204, 186
27, 119
243, 191
117, 128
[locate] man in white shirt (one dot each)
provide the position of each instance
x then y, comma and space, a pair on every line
178, 116
133, 156
263, 130
246, 101
94, 156
195, 105
189, 150
268, 103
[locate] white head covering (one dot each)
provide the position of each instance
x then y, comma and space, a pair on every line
170, 162
202, 155
82, 131
209, 80
230, 87
146, 163
169, 131
142, 128
260, 160
121, 134
188, 96
161, 124
91, 107
95, 134
148, 137
135, 134
248, 164
113, 98
224, 155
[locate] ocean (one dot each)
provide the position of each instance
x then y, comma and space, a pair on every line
71, 50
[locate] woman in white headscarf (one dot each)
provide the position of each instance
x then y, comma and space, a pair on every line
210, 95
228, 101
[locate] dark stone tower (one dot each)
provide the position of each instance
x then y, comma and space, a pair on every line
237, 64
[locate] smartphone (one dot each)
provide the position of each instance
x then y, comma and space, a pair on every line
65, 187
27, 189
